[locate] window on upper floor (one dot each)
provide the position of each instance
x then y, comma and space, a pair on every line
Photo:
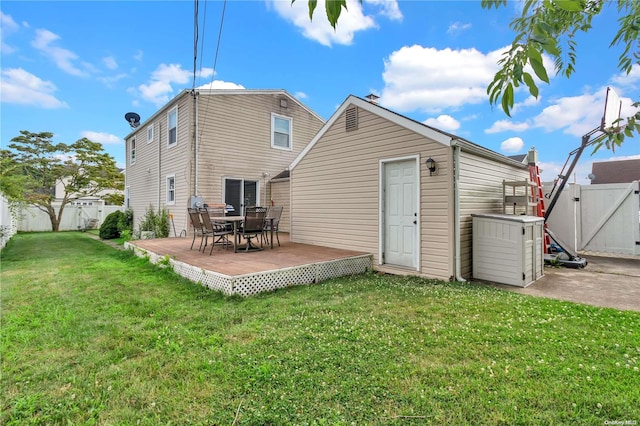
150, 134
172, 120
171, 189
132, 151
281, 132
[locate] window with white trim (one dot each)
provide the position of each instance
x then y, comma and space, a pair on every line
150, 134
281, 132
172, 127
171, 189
132, 151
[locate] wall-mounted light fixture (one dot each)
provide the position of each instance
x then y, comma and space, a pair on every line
431, 165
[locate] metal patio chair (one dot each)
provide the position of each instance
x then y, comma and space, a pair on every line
218, 232
253, 226
196, 223
275, 213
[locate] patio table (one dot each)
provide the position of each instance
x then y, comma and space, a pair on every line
236, 220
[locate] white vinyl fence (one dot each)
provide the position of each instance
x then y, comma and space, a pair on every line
8, 224
74, 218
602, 218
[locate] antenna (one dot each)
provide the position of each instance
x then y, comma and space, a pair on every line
133, 119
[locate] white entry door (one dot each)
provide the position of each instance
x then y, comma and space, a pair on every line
400, 213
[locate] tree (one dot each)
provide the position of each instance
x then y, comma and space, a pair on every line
549, 27
82, 169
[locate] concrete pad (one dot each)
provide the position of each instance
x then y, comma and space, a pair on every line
610, 282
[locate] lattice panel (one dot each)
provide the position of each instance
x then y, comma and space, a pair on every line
248, 285
251, 284
343, 267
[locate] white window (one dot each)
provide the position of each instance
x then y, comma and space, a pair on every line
280, 132
132, 151
172, 119
171, 189
150, 134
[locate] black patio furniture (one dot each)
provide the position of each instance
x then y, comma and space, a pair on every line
253, 226
219, 232
196, 223
271, 223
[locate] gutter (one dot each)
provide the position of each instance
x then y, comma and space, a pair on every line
455, 143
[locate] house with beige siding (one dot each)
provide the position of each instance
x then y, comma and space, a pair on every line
375, 181
216, 146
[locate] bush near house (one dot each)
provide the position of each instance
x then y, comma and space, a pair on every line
110, 227
156, 222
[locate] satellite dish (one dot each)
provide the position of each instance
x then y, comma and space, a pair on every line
133, 119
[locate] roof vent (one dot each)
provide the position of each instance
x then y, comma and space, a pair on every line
372, 98
351, 118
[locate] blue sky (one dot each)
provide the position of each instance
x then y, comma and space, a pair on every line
75, 68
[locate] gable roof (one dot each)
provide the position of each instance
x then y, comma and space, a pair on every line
616, 171
445, 138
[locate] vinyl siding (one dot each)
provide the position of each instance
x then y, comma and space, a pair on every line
335, 190
281, 196
235, 140
147, 177
480, 192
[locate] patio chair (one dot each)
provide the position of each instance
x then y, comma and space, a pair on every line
253, 226
217, 231
196, 223
275, 213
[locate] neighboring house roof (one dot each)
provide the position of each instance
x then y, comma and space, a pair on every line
519, 158
214, 92
616, 171
437, 135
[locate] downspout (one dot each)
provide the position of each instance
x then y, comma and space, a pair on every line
195, 141
456, 210
159, 163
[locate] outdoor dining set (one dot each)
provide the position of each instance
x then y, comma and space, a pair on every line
257, 225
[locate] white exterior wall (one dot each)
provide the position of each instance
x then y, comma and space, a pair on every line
280, 195
336, 191
481, 192
155, 160
8, 224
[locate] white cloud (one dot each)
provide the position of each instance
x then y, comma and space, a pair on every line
528, 102
23, 88
512, 145
101, 137
388, 8
159, 87
431, 80
63, 58
507, 125
631, 79
300, 95
443, 122
110, 62
457, 28
351, 21
7, 26
111, 80
220, 85
578, 115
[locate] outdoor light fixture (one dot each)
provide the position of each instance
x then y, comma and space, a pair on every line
431, 165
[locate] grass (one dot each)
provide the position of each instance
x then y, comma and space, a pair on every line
94, 335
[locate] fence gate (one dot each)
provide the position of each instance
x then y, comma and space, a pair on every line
609, 220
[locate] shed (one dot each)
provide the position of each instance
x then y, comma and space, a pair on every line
508, 248
376, 181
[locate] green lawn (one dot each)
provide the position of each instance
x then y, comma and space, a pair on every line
94, 335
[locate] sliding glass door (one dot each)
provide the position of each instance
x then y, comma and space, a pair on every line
240, 193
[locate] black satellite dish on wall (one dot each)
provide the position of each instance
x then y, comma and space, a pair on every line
133, 119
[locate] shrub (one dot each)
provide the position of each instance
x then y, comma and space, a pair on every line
126, 221
109, 228
156, 222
